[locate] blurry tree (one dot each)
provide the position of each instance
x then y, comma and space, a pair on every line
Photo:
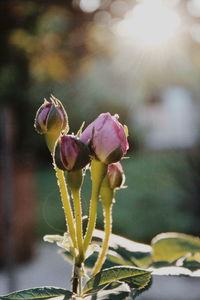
69, 48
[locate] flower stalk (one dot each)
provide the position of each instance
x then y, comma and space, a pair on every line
66, 205
103, 142
107, 197
75, 180
98, 172
51, 140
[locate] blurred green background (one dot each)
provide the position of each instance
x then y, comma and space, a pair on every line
139, 59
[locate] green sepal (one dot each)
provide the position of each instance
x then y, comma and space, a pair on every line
57, 156
114, 156
55, 122
83, 157
80, 129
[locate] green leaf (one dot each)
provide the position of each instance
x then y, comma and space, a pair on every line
190, 261
173, 271
121, 292
62, 241
171, 246
123, 251
134, 277
38, 293
53, 238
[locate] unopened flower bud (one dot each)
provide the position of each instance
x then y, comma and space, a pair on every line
71, 154
51, 117
115, 175
106, 138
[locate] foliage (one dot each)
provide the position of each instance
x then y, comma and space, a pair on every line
105, 142
38, 293
152, 189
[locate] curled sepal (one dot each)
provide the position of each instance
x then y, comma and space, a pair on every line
51, 117
80, 129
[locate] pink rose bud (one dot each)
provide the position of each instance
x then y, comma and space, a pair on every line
71, 154
107, 138
51, 117
115, 175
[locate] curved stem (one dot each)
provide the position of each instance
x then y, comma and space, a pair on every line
66, 205
108, 229
98, 172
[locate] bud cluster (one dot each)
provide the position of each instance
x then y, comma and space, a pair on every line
104, 140
103, 143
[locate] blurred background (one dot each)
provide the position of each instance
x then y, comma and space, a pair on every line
139, 59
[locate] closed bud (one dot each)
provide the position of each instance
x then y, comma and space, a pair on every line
71, 154
115, 175
51, 117
107, 138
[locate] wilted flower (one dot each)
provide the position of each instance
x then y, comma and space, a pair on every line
106, 138
51, 117
71, 154
115, 175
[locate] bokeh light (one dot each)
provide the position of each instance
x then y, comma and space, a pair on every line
89, 6
149, 24
194, 7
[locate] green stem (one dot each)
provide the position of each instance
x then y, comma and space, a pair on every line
98, 172
77, 280
78, 218
51, 140
66, 204
108, 229
75, 181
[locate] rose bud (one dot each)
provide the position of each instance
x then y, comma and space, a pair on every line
115, 175
51, 117
106, 138
71, 154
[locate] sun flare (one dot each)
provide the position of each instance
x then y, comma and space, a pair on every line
150, 24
